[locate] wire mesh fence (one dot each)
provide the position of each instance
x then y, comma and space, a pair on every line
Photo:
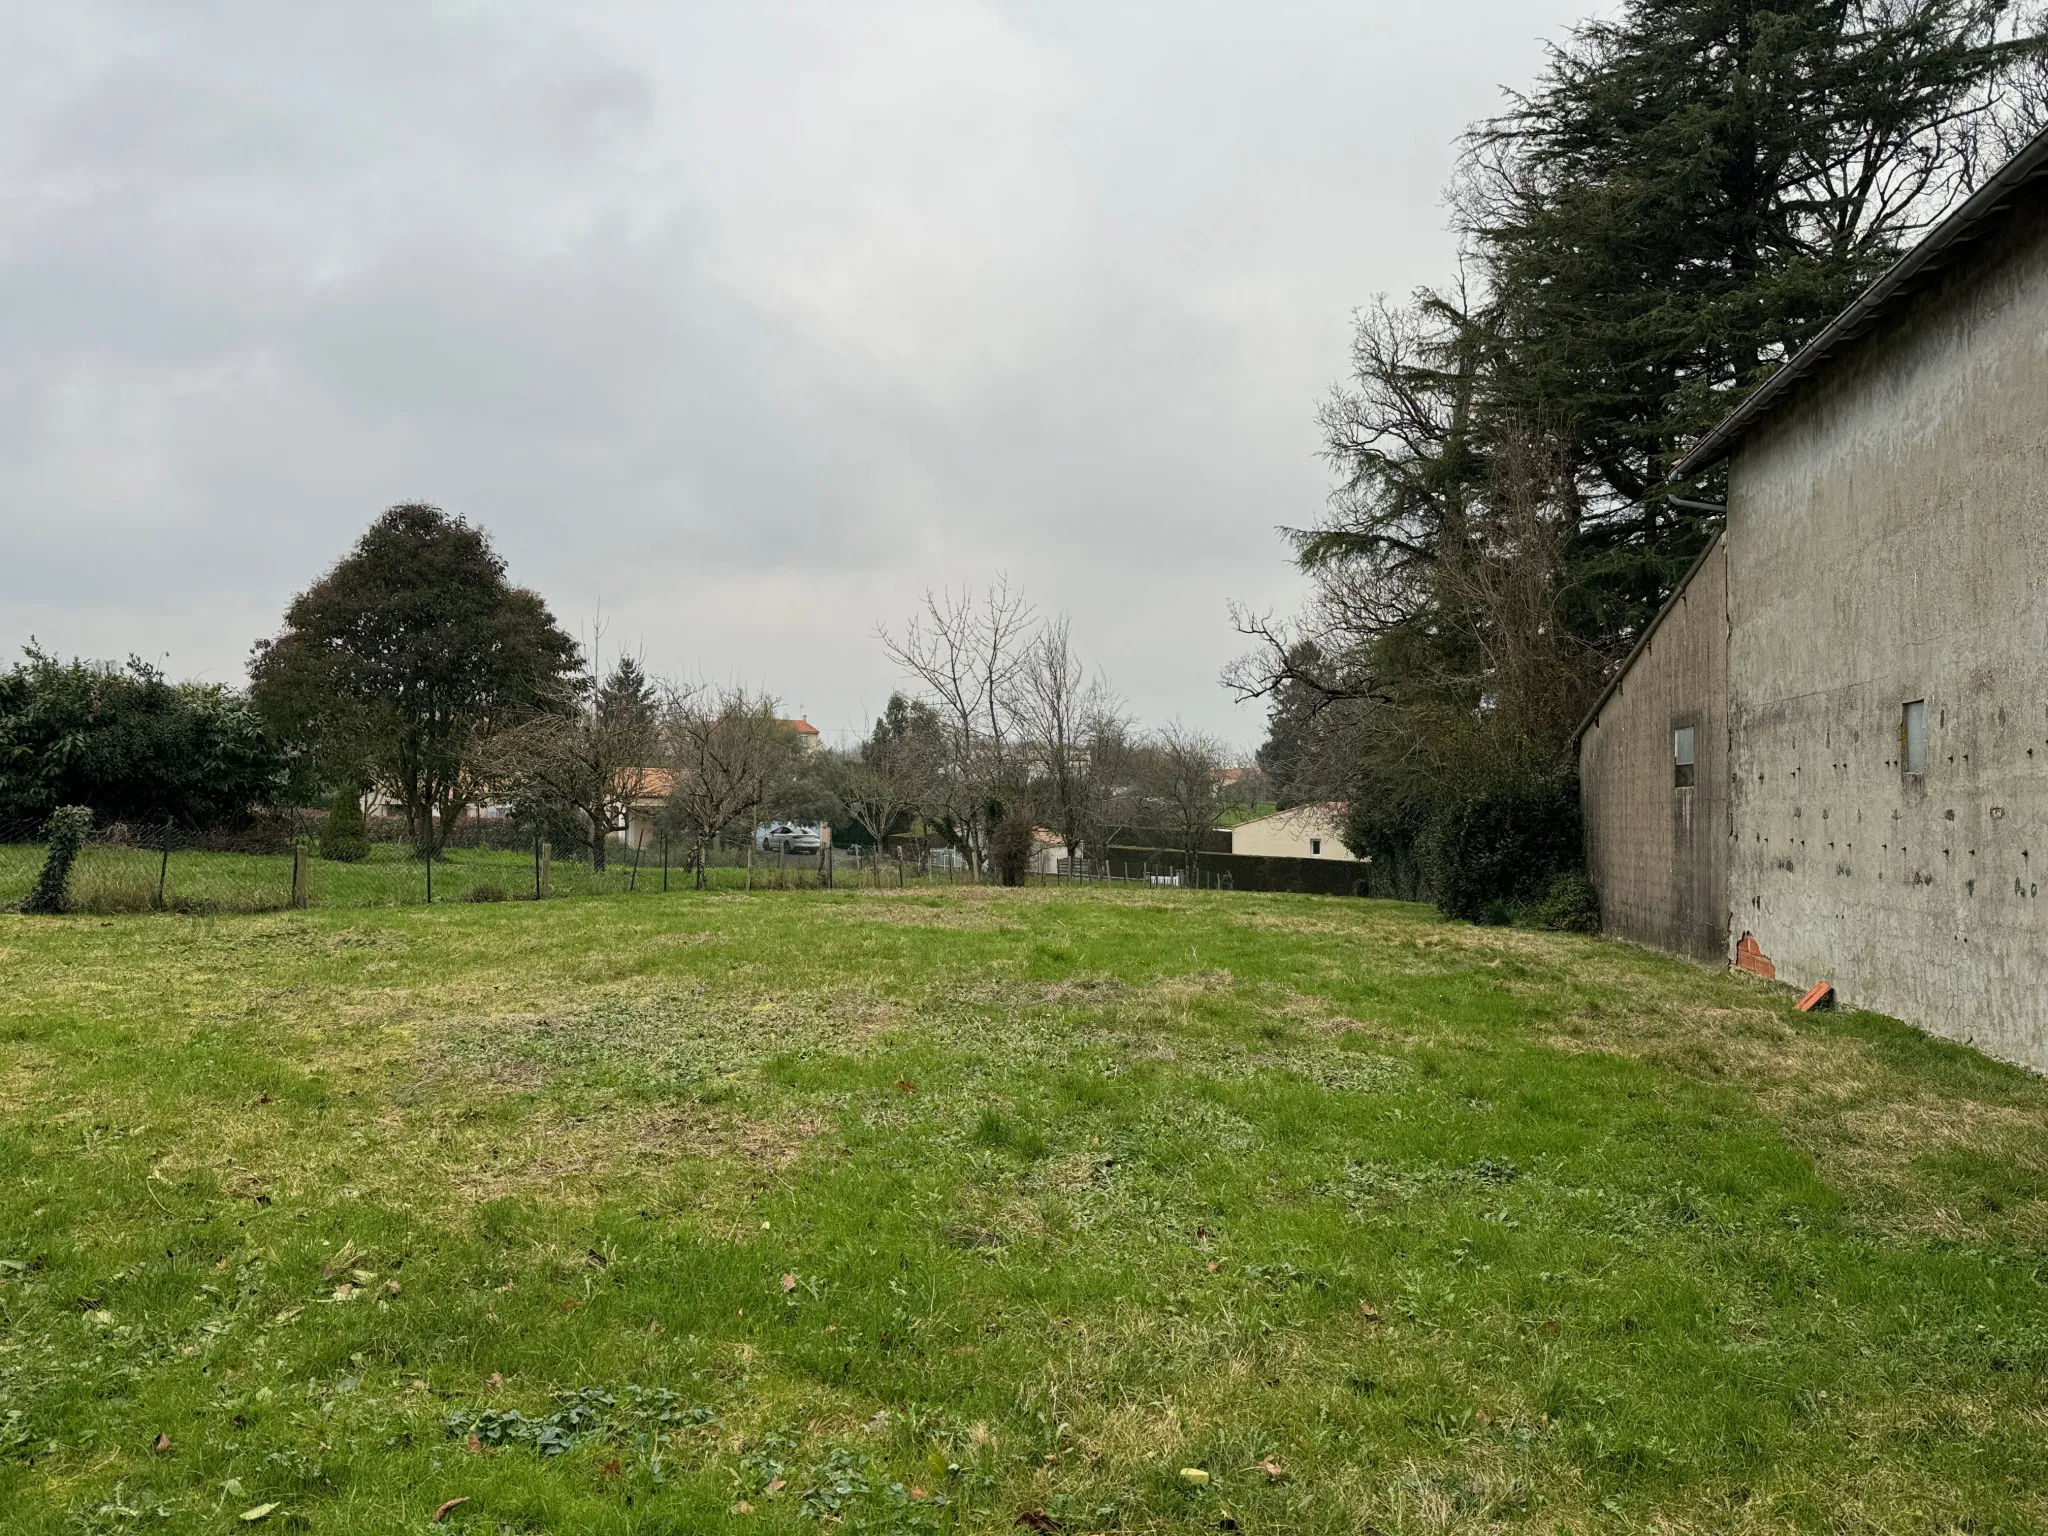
275, 864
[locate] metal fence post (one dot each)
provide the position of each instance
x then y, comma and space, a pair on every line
163, 870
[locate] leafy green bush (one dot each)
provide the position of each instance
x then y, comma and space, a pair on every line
1570, 905
68, 829
1490, 850
345, 839
130, 745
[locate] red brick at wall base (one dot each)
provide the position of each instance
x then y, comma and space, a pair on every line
1748, 957
1822, 996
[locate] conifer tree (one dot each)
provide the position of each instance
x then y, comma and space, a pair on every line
345, 839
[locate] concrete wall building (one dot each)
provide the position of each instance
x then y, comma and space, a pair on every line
1861, 660
1651, 766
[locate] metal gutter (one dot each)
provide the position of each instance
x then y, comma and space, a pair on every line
1643, 640
1958, 228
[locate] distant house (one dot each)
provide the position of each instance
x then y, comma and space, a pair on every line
807, 733
1300, 832
643, 811
1048, 851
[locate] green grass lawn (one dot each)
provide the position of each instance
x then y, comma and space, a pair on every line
876, 1212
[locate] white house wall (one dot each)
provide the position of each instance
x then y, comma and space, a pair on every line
1289, 835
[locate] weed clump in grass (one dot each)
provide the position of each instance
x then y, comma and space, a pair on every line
484, 891
586, 1412
998, 1134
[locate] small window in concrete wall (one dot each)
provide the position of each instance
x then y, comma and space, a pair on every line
1913, 738
1681, 758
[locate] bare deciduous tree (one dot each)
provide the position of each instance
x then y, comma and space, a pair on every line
591, 762
729, 757
1061, 713
1507, 583
1179, 774
1111, 798
966, 652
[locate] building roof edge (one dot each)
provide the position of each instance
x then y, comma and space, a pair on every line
1958, 228
1642, 640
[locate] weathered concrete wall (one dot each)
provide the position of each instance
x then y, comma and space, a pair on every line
1888, 541
1658, 853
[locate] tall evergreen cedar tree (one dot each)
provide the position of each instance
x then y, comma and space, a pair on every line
1289, 758
398, 663
129, 746
1692, 192
1692, 189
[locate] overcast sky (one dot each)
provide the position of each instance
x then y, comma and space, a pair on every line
737, 324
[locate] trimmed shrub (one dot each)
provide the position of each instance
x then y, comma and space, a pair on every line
68, 828
345, 839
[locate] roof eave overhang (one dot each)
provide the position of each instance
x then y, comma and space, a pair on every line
1643, 640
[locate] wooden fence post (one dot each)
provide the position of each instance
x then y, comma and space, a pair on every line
301, 895
547, 870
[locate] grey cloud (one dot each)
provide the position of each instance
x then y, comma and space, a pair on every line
739, 323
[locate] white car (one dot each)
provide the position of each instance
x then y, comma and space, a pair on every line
789, 837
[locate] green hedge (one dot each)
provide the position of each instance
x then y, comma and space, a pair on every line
1253, 872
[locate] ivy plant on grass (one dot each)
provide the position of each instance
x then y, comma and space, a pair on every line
69, 827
